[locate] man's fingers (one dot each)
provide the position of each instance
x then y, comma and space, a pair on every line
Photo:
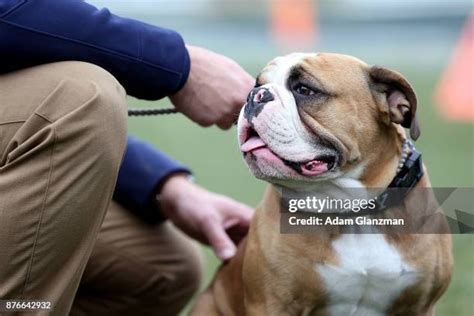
225, 124
237, 210
218, 239
238, 219
237, 233
231, 118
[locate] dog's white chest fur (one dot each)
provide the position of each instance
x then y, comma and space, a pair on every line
369, 277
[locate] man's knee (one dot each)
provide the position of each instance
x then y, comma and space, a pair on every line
89, 86
57, 89
107, 107
105, 86
88, 105
78, 105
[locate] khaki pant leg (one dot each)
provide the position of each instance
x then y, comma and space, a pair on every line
62, 139
138, 269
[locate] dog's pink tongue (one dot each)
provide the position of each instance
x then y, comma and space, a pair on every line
252, 143
314, 168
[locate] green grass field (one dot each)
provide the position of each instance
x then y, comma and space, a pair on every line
448, 151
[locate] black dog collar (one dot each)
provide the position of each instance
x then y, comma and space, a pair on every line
409, 173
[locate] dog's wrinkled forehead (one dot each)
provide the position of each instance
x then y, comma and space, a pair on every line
325, 66
278, 70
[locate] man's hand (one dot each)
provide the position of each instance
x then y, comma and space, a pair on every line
205, 216
216, 89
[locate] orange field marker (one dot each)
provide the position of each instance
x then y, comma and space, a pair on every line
293, 24
455, 91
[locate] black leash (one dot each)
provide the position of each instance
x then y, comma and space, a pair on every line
149, 112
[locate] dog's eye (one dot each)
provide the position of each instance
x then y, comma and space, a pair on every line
304, 90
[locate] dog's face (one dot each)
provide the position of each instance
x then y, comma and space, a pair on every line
314, 117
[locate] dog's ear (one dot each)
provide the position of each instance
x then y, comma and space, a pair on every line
396, 98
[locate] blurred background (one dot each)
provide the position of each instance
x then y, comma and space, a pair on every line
430, 42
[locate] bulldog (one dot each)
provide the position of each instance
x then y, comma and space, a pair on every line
318, 121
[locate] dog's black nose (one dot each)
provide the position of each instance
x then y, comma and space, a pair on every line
256, 100
261, 95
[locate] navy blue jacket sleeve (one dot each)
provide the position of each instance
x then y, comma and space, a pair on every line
142, 172
150, 62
